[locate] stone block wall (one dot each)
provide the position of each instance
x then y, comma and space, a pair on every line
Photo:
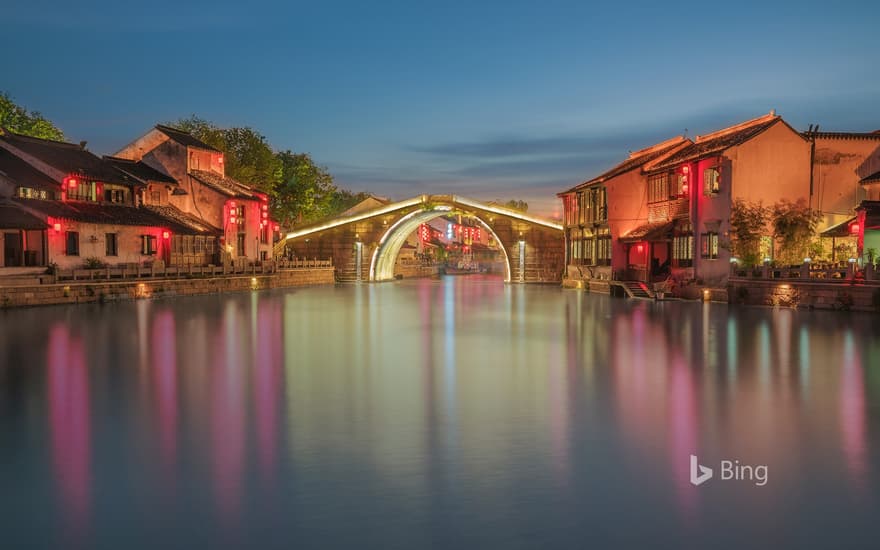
76, 293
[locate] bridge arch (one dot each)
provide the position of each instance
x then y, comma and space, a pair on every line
385, 255
364, 244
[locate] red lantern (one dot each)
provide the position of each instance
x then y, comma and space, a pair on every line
265, 207
166, 234
70, 182
232, 219
231, 204
57, 226
640, 248
854, 228
277, 227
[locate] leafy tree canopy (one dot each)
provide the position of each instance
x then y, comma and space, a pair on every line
299, 190
17, 119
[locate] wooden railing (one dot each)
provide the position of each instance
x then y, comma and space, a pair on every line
840, 272
303, 263
156, 270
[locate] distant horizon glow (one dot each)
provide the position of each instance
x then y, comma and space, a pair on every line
491, 101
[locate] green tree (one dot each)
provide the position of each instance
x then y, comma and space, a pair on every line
306, 192
794, 228
299, 190
748, 222
30, 123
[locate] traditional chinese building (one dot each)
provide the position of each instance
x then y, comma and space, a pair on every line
601, 210
845, 185
86, 207
665, 211
204, 192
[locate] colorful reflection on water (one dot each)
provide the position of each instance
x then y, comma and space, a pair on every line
452, 413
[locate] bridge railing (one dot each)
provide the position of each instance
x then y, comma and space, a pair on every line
303, 263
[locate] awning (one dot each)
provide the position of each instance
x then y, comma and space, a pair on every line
838, 230
657, 231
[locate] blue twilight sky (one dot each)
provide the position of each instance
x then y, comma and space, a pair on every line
494, 99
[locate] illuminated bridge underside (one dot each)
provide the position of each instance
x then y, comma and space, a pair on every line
364, 246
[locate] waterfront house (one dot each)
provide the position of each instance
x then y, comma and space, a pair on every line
599, 211
762, 160
204, 192
85, 205
665, 211
845, 181
199, 245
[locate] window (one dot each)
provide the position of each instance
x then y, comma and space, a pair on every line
603, 250
658, 188
110, 244
683, 246
28, 193
200, 245
72, 243
711, 181
264, 234
593, 208
155, 197
148, 245
709, 245
209, 245
114, 194
84, 191
570, 206
239, 245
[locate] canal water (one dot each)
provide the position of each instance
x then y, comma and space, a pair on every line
451, 413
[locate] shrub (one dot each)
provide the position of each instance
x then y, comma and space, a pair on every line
93, 263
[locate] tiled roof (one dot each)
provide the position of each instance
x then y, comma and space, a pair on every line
184, 138
139, 170
23, 174
716, 142
224, 185
843, 135
67, 158
636, 159
873, 178
12, 216
195, 224
838, 230
648, 232
103, 213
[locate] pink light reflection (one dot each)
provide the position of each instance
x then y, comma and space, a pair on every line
852, 413
227, 417
268, 385
69, 419
164, 371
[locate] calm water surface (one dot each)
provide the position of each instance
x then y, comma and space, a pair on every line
459, 413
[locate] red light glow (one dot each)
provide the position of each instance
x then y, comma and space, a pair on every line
640, 248
854, 228
166, 235
57, 226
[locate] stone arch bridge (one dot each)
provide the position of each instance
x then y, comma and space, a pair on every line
364, 246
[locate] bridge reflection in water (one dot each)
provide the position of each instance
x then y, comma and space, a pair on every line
364, 246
